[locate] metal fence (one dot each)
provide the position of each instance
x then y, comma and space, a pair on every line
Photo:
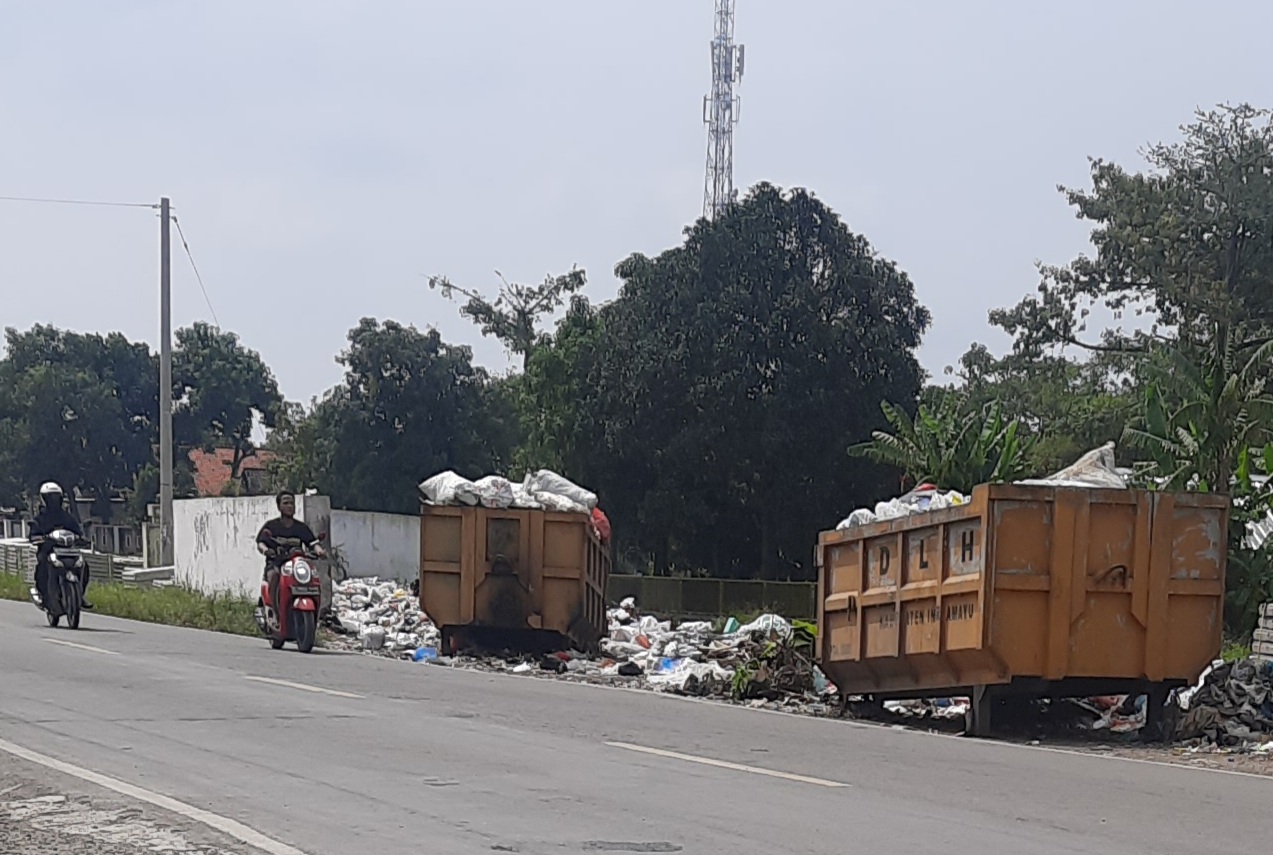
18, 559
711, 598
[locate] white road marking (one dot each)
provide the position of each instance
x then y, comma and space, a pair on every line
722, 764
227, 826
78, 646
304, 688
829, 721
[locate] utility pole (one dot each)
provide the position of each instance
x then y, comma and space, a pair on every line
165, 386
720, 112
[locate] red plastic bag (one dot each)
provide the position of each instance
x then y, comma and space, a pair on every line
602, 524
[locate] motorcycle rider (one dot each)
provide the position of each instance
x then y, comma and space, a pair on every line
50, 517
277, 535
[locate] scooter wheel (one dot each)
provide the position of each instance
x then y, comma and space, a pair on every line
277, 643
52, 618
308, 632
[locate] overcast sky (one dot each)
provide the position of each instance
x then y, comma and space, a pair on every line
322, 155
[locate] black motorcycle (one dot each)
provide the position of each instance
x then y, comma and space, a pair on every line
64, 582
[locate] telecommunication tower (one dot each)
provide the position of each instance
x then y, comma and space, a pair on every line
720, 112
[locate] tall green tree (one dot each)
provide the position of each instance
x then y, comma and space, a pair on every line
1185, 247
222, 389
76, 408
411, 405
1067, 406
711, 403
558, 397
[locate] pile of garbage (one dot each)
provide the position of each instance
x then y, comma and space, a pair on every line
767, 662
1233, 704
1096, 469
379, 617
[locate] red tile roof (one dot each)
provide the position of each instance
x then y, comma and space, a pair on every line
212, 468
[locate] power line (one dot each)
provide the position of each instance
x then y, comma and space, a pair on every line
78, 202
195, 268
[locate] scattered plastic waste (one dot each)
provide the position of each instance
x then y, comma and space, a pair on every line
425, 654
925, 497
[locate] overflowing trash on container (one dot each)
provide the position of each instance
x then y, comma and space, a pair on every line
1095, 469
925, 497
544, 490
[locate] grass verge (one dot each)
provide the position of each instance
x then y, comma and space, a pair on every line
173, 606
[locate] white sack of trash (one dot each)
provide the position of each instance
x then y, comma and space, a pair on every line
542, 490
1095, 470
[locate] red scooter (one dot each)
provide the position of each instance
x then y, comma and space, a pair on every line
295, 617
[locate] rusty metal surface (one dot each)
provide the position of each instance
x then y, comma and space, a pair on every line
1025, 584
507, 575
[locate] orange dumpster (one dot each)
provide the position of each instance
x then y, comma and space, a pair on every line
1026, 590
518, 580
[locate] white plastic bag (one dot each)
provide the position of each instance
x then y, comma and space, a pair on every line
547, 481
770, 624
495, 492
450, 488
861, 516
1097, 469
559, 504
525, 501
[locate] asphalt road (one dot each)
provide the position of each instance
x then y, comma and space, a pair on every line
366, 754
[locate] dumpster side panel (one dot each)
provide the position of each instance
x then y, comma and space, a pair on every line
1035, 584
1194, 622
1107, 584
443, 545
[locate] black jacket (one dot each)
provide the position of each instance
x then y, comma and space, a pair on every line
49, 520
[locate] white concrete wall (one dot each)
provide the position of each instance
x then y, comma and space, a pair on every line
214, 540
384, 545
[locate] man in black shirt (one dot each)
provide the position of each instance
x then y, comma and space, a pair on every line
50, 517
280, 534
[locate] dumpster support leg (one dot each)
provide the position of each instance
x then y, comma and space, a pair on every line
1155, 714
978, 721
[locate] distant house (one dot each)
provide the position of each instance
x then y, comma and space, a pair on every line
212, 472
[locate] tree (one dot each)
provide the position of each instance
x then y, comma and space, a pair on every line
514, 316
558, 396
722, 387
76, 408
1067, 406
1187, 246
1249, 575
950, 446
411, 405
1201, 418
221, 388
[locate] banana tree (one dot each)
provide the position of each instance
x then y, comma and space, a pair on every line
950, 445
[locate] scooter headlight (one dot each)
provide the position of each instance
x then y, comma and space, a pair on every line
302, 572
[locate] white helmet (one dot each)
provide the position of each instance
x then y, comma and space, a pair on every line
51, 493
